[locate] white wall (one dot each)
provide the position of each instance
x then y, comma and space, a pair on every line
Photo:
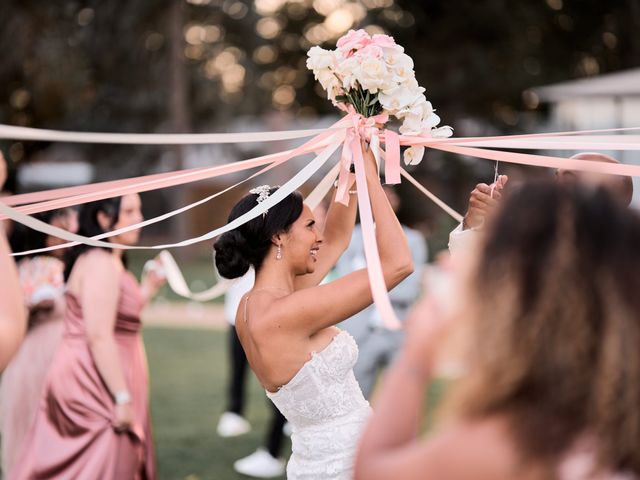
591, 113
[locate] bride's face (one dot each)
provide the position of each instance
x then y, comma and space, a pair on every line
301, 244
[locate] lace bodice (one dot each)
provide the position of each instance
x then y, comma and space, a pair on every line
327, 411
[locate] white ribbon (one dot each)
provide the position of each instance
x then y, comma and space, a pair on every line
450, 211
178, 284
39, 134
294, 183
175, 278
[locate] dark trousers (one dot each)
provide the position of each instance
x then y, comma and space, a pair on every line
237, 382
237, 387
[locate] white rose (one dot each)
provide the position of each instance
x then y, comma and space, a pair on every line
327, 79
350, 70
373, 74
413, 155
320, 59
390, 54
397, 98
410, 83
403, 70
400, 60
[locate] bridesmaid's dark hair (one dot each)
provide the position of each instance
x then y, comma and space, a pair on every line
248, 245
24, 238
89, 226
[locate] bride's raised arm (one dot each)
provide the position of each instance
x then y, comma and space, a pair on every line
331, 303
337, 232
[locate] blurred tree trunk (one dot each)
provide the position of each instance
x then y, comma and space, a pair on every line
178, 108
634, 19
178, 82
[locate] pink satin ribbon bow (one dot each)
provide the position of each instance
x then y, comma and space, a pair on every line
366, 128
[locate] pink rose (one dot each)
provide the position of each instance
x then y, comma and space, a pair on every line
383, 41
353, 40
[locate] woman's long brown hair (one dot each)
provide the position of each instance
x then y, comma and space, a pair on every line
553, 300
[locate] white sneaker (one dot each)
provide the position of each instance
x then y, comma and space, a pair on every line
287, 429
232, 425
260, 464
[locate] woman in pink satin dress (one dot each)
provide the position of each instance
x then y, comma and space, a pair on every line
42, 283
93, 421
13, 316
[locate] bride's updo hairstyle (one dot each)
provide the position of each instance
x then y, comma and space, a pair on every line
248, 245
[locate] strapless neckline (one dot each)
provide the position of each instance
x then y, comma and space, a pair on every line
306, 364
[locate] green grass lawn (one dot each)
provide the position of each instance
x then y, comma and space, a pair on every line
188, 383
188, 371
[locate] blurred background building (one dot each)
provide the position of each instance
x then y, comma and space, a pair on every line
600, 102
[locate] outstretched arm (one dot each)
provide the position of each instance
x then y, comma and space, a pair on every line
13, 314
392, 447
393, 431
326, 305
337, 235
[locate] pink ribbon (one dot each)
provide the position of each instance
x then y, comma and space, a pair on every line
544, 160
358, 128
65, 197
374, 268
362, 128
367, 129
392, 157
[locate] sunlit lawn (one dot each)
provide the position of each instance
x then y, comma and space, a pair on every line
188, 381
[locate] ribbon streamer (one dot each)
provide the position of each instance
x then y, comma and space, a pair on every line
376, 277
450, 211
296, 181
352, 153
178, 284
39, 134
66, 197
175, 278
544, 160
302, 148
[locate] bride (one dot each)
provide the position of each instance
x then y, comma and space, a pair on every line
286, 323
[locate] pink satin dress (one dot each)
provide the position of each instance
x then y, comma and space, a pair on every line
41, 278
73, 434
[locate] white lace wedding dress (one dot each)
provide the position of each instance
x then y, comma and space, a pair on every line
327, 411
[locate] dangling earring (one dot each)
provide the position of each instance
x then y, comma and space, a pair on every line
279, 253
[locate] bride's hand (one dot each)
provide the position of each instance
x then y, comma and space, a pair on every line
369, 157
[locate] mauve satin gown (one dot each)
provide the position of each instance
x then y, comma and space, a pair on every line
73, 435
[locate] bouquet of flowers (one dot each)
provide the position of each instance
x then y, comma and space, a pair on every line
375, 76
